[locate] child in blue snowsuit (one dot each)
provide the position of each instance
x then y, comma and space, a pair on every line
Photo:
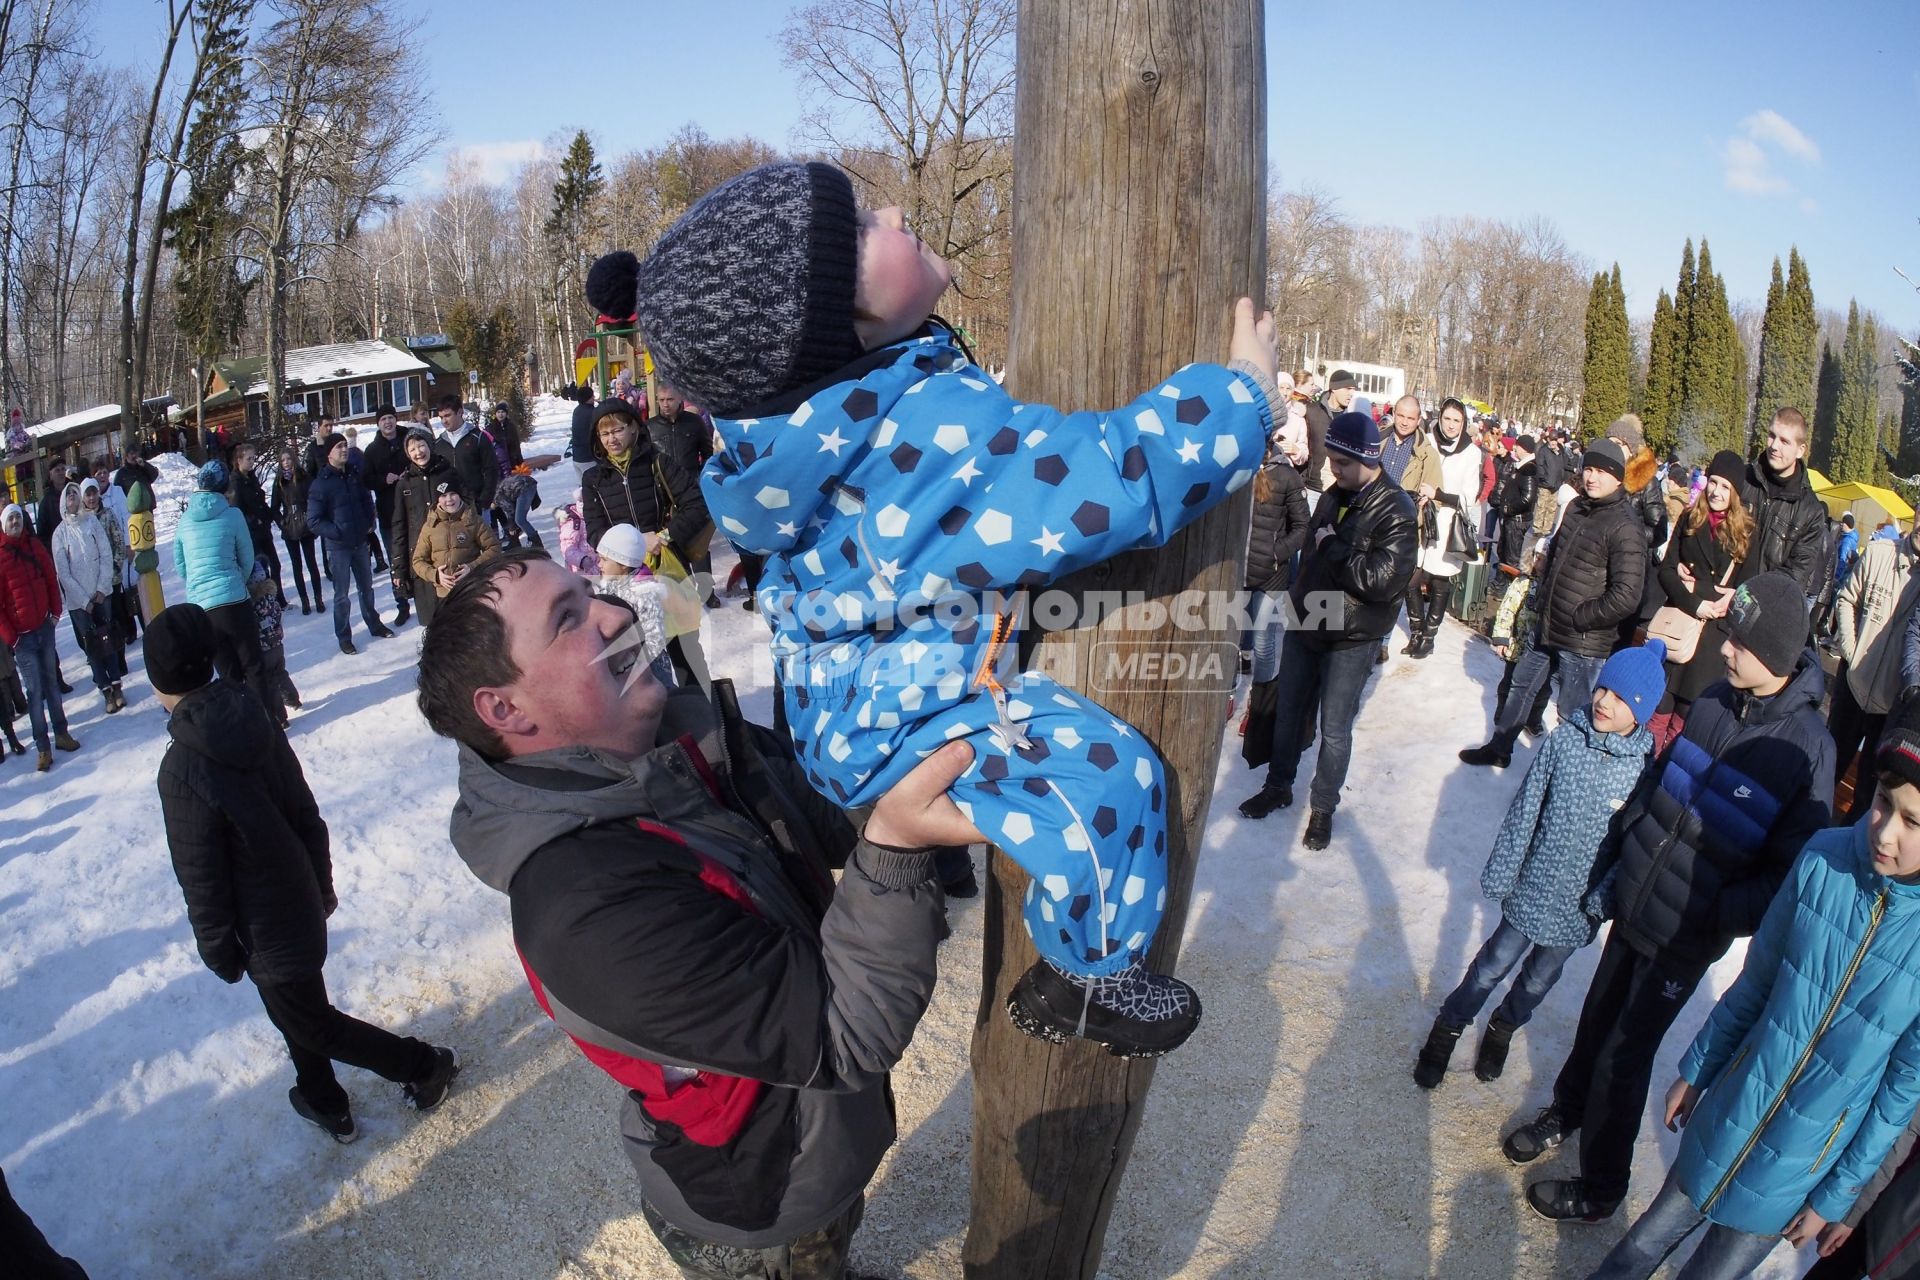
902, 498
1808, 1070
1542, 861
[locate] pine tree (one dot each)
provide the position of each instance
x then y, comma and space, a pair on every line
1657, 412
1826, 409
1609, 353
1766, 394
1799, 339
210, 295
1856, 419
1707, 412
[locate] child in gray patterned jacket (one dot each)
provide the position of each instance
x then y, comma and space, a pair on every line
1543, 859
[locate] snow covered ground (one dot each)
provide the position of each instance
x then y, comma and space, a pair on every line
146, 1124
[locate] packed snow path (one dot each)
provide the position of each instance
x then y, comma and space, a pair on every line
146, 1125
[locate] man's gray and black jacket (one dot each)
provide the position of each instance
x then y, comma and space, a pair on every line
677, 916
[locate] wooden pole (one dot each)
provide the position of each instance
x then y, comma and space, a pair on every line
1138, 217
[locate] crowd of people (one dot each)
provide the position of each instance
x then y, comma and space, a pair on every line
670, 866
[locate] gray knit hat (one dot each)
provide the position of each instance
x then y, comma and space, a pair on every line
750, 293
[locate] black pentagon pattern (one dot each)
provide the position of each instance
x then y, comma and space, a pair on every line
923, 363
1091, 519
905, 459
747, 452
1136, 838
1105, 821
1159, 842
990, 788
966, 632
993, 768
802, 698
1004, 442
1078, 908
1196, 495
955, 520
850, 552
1051, 469
1035, 787
973, 574
838, 790
1156, 797
1066, 937
1102, 756
1031, 578
1035, 751
1133, 463
1191, 409
862, 404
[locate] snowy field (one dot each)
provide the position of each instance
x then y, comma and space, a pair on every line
146, 1126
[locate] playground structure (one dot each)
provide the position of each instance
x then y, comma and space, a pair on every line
600, 359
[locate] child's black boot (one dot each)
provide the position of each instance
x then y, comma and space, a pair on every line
1134, 1013
1492, 1058
1434, 1055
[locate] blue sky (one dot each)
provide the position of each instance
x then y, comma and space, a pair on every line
1631, 126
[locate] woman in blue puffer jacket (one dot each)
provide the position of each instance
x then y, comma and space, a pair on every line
213, 551
1809, 1067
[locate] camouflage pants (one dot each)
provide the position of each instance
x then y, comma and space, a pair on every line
818, 1255
1545, 508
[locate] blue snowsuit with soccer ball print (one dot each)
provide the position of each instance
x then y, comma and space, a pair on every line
899, 509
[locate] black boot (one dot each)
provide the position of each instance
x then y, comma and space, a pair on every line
1134, 1013
1497, 752
1435, 1053
1492, 1058
1319, 832
1416, 636
1265, 801
1439, 594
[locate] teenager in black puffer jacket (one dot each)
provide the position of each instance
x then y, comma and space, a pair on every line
1278, 533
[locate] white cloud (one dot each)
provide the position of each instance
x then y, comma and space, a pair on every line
1770, 126
1748, 157
493, 162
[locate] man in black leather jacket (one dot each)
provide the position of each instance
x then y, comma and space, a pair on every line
1361, 554
1792, 522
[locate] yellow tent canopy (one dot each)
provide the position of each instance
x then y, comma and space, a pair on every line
1817, 480
1869, 503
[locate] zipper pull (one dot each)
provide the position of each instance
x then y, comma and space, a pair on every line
1006, 730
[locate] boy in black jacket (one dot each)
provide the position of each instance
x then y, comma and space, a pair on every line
250, 850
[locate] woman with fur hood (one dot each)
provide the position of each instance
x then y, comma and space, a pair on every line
1649, 498
88, 566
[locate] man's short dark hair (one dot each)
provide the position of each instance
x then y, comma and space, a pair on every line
384, 410
465, 649
1794, 420
450, 400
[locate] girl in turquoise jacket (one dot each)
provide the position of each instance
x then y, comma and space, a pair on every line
1809, 1067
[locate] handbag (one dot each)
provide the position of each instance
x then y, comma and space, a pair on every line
1678, 630
1459, 541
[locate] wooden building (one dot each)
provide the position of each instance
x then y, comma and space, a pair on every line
74, 437
345, 380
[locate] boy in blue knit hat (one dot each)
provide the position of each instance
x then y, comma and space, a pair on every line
1542, 863
903, 501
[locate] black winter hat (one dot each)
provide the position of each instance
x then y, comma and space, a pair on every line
750, 293
614, 407
1899, 752
327, 445
1606, 455
179, 649
1528, 443
1729, 466
1768, 617
418, 433
1342, 378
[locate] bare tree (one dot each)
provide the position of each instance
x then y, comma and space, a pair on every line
342, 115
915, 99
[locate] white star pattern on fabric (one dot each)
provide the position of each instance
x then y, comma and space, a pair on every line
1189, 452
1048, 542
833, 442
966, 473
787, 529
890, 569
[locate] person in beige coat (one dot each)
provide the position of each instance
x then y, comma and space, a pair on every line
452, 541
1870, 619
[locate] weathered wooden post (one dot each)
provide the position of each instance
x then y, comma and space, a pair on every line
1139, 216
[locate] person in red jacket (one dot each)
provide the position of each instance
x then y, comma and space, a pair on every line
29, 604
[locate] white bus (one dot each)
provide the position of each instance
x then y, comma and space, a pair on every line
1381, 384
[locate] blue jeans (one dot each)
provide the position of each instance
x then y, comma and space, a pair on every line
1723, 1253
39, 665
1530, 675
1497, 957
523, 514
1327, 681
1268, 625
354, 559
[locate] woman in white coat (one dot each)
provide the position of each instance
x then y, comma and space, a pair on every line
1453, 501
84, 561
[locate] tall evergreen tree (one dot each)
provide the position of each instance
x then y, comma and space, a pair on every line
1826, 410
1657, 412
1799, 339
1856, 427
1609, 353
1766, 394
1707, 412
210, 295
